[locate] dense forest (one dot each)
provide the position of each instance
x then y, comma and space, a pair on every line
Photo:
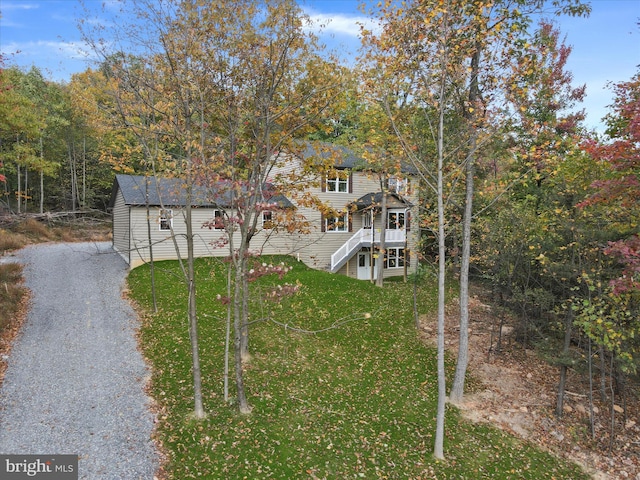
480, 102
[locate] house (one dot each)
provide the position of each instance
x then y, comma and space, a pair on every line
346, 242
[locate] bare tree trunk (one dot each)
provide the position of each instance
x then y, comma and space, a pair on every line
26, 187
19, 193
227, 336
564, 368
244, 334
438, 450
405, 260
193, 318
41, 175
72, 174
84, 172
416, 316
150, 241
612, 433
243, 404
383, 234
457, 391
372, 256
603, 374
591, 413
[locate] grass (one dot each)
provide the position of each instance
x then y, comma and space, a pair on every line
354, 401
18, 231
11, 294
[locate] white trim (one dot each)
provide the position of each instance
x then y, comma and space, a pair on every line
344, 228
396, 211
337, 182
398, 258
213, 218
165, 219
265, 220
398, 185
364, 272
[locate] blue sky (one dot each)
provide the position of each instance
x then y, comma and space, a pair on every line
606, 46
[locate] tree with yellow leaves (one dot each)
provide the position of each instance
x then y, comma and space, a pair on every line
442, 69
217, 94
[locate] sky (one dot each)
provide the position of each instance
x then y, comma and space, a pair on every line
606, 46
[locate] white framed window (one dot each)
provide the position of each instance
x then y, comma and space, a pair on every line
398, 185
338, 181
396, 219
267, 219
218, 220
165, 219
394, 258
367, 219
338, 223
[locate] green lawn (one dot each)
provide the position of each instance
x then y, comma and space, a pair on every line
356, 401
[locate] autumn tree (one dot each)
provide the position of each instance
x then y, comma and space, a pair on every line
412, 92
21, 127
97, 145
159, 96
216, 94
3, 107
448, 63
274, 89
608, 312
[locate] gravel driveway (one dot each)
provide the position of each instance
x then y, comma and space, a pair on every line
75, 380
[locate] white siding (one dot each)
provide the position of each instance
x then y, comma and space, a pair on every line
321, 245
207, 242
121, 229
314, 247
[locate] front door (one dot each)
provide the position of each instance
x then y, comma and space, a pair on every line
364, 266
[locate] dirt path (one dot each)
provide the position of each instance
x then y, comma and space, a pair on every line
516, 391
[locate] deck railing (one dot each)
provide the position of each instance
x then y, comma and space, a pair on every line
363, 237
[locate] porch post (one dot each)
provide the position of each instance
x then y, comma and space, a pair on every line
373, 239
406, 242
406, 255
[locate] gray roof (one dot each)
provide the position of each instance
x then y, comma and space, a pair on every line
343, 157
374, 200
171, 192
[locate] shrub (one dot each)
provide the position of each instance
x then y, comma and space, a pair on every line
11, 293
11, 241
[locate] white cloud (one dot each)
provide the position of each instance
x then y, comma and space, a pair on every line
18, 6
4, 23
45, 49
341, 24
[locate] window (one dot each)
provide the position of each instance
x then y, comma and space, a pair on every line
218, 220
398, 185
338, 181
395, 219
267, 219
165, 219
394, 258
367, 219
337, 224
